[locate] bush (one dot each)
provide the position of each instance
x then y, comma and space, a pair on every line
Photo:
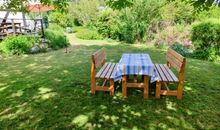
135, 22
88, 34
205, 37
56, 27
62, 19
177, 11
17, 45
213, 12
181, 49
56, 37
108, 24
173, 34
84, 11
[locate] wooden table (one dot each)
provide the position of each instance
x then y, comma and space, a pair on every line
135, 64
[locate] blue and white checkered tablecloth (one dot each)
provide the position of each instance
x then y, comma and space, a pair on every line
134, 64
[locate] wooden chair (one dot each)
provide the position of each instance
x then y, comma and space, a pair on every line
165, 75
106, 72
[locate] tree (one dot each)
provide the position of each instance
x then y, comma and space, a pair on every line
20, 5
119, 4
115, 4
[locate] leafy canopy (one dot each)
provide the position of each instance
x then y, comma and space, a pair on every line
18, 5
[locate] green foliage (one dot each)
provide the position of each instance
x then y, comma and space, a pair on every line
205, 37
88, 34
129, 24
212, 13
181, 49
135, 22
61, 19
177, 11
56, 37
84, 11
56, 27
119, 4
108, 24
60, 5
76, 29
171, 34
17, 45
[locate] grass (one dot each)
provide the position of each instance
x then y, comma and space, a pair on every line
52, 91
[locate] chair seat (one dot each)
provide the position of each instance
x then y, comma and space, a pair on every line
165, 74
107, 71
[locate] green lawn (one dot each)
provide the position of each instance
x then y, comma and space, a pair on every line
52, 91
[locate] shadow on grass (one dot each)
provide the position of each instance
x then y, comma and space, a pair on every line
52, 91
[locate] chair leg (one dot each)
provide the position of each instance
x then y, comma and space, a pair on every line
158, 89
124, 86
180, 90
111, 87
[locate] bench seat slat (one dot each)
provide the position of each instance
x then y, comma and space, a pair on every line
107, 76
114, 71
107, 71
175, 79
160, 72
165, 74
101, 70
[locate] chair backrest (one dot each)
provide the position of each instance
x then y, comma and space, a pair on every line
176, 61
99, 58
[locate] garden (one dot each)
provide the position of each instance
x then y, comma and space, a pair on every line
50, 88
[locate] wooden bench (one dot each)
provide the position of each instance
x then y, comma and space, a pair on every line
165, 75
106, 72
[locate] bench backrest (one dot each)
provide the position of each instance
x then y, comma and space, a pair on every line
99, 58
176, 61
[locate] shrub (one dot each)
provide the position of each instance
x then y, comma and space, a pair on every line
88, 34
108, 24
56, 37
17, 45
61, 19
177, 11
213, 12
171, 34
181, 49
56, 27
135, 22
205, 37
84, 11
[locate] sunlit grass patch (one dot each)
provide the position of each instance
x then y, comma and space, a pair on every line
52, 91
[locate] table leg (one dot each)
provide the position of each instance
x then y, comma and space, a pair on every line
124, 86
146, 86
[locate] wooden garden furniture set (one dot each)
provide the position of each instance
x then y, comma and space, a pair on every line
138, 64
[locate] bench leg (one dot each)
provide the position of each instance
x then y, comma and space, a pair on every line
146, 84
93, 85
111, 87
180, 90
158, 89
124, 86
